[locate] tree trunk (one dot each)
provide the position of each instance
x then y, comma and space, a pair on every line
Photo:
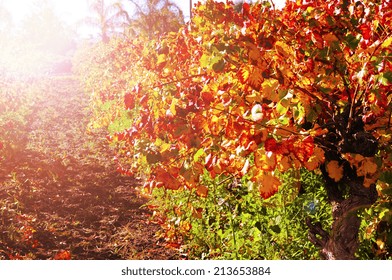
342, 242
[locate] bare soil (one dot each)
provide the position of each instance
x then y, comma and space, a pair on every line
60, 194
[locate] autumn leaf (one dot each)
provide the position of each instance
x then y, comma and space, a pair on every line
283, 49
243, 74
265, 160
268, 185
197, 212
251, 75
366, 31
62, 255
335, 171
315, 160
202, 191
387, 42
366, 166
303, 149
271, 145
266, 42
269, 87
283, 163
129, 101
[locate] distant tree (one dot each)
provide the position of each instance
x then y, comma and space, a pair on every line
108, 18
154, 17
45, 31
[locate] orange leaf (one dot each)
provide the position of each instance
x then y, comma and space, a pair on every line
256, 78
284, 163
366, 166
315, 160
265, 161
63, 255
202, 191
243, 74
303, 149
251, 75
269, 185
335, 171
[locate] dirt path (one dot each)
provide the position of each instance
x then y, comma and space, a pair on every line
61, 197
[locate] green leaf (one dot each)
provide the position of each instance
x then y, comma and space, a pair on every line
283, 106
198, 154
388, 77
352, 41
386, 177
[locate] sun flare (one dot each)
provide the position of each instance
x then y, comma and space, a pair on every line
36, 34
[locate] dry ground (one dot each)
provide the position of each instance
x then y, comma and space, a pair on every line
60, 195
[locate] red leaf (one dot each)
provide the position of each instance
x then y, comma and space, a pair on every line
246, 11
207, 97
270, 145
129, 100
365, 31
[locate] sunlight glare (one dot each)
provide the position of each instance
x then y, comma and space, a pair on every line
37, 33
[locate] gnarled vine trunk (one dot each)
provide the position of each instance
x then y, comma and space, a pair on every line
349, 195
342, 242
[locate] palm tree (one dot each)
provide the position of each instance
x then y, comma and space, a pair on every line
155, 17
108, 18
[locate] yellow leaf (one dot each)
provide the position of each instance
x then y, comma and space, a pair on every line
173, 106
309, 9
254, 97
283, 49
269, 89
304, 81
161, 59
335, 171
387, 42
243, 74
